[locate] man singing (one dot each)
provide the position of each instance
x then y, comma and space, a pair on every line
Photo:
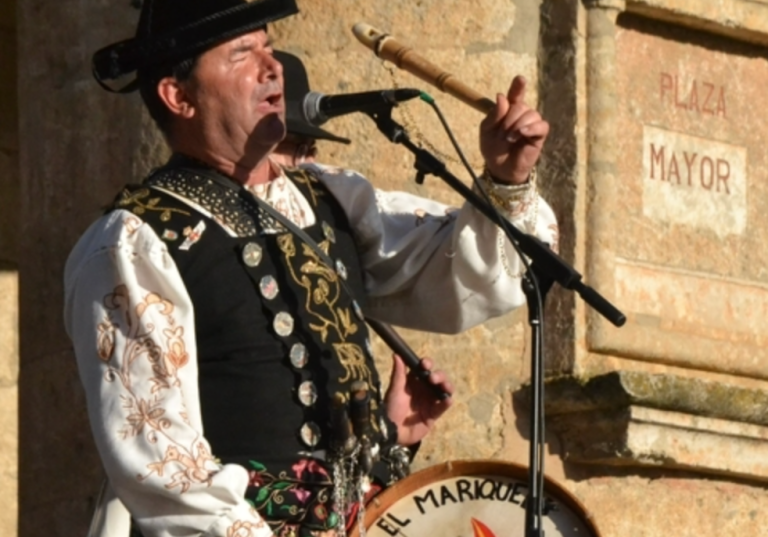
217, 309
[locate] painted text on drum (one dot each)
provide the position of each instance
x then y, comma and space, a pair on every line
463, 490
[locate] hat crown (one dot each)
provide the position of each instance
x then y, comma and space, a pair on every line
160, 17
174, 30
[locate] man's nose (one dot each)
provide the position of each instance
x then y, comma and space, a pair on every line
271, 67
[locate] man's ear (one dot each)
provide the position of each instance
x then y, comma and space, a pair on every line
174, 95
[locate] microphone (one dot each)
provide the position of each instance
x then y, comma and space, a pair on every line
318, 108
397, 344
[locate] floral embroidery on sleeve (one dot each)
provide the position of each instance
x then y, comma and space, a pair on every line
152, 338
192, 469
245, 528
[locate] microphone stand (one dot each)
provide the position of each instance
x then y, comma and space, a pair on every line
546, 268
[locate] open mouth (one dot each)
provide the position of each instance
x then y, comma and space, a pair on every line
274, 99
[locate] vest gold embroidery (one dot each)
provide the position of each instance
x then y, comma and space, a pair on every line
139, 207
323, 291
352, 358
303, 177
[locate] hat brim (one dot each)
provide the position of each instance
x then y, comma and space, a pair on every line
128, 56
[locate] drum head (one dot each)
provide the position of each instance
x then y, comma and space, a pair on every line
472, 499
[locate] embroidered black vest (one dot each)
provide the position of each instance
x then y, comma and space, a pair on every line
278, 335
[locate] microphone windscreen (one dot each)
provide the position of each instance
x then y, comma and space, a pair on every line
310, 108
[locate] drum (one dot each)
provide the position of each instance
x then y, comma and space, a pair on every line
472, 499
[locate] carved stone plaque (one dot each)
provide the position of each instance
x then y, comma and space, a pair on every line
690, 235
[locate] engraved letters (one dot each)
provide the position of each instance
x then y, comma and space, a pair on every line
694, 95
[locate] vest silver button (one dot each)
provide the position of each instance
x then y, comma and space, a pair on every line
310, 434
298, 355
283, 324
252, 254
307, 393
341, 269
268, 287
328, 232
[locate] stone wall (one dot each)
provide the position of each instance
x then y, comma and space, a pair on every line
9, 240
78, 146
669, 408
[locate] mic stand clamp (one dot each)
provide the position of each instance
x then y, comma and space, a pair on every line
426, 163
546, 268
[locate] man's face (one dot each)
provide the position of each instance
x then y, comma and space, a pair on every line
237, 91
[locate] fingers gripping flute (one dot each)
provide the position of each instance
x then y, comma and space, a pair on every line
387, 48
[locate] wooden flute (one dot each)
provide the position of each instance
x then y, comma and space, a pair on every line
388, 48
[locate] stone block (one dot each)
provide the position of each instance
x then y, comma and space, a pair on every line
78, 145
9, 116
680, 249
659, 420
560, 167
55, 438
9, 327
9, 446
654, 504
741, 19
9, 206
8, 14
676, 249
62, 518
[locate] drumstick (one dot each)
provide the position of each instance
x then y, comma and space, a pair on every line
387, 48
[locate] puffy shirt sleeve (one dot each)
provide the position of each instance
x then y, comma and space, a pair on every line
131, 322
432, 267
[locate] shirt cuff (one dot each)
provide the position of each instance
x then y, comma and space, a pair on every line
518, 203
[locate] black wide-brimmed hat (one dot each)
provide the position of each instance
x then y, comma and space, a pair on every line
170, 31
296, 87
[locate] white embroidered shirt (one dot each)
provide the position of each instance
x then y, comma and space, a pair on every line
427, 266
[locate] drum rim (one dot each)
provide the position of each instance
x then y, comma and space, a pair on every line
474, 467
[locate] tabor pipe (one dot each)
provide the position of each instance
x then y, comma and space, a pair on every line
387, 48
409, 357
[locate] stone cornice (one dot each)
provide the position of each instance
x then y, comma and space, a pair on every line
693, 396
744, 20
619, 5
661, 420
